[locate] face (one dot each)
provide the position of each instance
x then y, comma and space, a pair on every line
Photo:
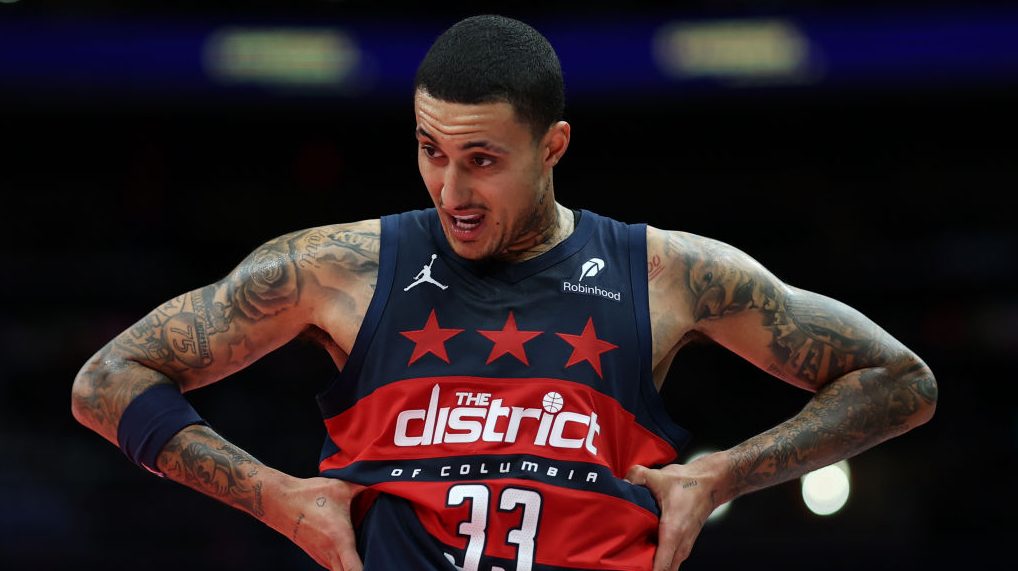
488, 177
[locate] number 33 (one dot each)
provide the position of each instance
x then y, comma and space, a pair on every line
475, 527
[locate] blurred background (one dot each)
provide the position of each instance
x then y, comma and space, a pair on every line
865, 150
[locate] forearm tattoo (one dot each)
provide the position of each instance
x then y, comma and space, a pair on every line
845, 417
201, 459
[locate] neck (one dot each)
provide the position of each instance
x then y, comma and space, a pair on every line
549, 226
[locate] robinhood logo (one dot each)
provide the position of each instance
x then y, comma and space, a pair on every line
588, 270
591, 267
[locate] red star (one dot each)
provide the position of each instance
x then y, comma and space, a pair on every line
431, 339
587, 347
509, 340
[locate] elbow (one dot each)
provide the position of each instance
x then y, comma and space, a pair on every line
83, 403
77, 407
929, 387
85, 389
105, 386
91, 387
922, 391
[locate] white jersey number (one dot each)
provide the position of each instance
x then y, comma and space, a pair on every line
474, 529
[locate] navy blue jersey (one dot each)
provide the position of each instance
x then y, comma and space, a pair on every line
492, 409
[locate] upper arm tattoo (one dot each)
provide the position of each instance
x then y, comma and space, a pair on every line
209, 325
208, 333
213, 324
816, 338
267, 282
352, 251
811, 338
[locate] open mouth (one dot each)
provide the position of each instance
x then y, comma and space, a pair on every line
467, 223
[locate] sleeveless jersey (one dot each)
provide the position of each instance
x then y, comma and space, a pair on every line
492, 409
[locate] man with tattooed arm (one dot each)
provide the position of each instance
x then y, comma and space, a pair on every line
498, 409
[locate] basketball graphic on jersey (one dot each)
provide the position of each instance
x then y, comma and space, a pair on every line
552, 402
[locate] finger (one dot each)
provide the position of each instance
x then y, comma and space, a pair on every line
664, 561
347, 546
687, 535
668, 541
675, 553
680, 555
654, 480
351, 562
637, 474
345, 561
679, 558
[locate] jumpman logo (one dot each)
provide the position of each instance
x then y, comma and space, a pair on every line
425, 276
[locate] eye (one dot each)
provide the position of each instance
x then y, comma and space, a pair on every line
431, 151
482, 160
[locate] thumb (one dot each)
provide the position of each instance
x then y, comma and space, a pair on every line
637, 474
351, 561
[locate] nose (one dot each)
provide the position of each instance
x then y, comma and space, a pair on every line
455, 188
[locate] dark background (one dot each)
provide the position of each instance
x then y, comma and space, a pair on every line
889, 192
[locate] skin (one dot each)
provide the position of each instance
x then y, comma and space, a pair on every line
316, 282
479, 159
868, 386
508, 180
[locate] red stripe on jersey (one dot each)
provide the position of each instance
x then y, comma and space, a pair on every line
438, 417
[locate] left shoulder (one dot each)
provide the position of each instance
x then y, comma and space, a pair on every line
672, 259
712, 277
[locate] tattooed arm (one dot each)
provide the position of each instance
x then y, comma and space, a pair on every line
320, 279
868, 386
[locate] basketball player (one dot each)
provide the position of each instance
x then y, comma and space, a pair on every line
498, 409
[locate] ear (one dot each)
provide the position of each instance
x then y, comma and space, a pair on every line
556, 141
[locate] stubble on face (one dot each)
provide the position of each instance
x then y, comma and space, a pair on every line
540, 230
518, 231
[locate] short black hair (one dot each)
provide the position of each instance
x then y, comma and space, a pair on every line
486, 59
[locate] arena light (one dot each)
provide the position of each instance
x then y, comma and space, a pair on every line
826, 490
733, 49
720, 511
289, 57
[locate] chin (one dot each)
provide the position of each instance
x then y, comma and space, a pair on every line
472, 250
469, 250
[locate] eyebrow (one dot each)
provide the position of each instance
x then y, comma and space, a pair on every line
486, 145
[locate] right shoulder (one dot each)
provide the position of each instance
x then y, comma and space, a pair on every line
298, 265
352, 246
346, 252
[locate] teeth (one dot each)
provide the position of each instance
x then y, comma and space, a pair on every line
467, 222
